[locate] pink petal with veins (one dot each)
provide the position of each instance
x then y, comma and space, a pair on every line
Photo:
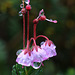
39, 56
50, 50
24, 59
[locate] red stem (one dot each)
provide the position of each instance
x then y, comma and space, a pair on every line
23, 31
42, 36
27, 44
33, 40
34, 31
27, 25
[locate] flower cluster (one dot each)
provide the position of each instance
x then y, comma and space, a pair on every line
37, 54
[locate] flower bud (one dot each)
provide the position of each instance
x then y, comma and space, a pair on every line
43, 17
35, 21
28, 7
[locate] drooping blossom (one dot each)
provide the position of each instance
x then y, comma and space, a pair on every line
34, 57
39, 55
24, 59
49, 47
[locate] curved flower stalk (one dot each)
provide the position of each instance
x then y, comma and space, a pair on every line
42, 17
37, 54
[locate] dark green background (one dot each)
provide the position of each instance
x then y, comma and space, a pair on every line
62, 34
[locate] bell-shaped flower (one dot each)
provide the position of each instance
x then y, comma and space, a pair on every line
24, 59
49, 47
39, 55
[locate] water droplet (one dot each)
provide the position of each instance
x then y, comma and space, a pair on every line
42, 43
36, 65
26, 1
21, 5
18, 52
20, 14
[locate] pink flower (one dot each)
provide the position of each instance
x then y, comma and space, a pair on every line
49, 47
24, 59
34, 59
39, 55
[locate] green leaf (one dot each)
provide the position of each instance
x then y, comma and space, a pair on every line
18, 70
14, 72
71, 71
21, 73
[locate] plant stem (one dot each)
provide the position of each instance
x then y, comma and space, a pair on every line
23, 3
26, 71
42, 36
27, 25
34, 31
33, 40
23, 31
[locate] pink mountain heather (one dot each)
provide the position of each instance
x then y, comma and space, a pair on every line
49, 47
24, 59
35, 55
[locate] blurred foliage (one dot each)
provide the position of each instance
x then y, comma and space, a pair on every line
62, 34
20, 70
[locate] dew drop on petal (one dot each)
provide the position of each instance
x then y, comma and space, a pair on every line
26, 1
21, 5
36, 65
42, 43
18, 52
20, 14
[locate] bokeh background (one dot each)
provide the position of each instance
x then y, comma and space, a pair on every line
62, 34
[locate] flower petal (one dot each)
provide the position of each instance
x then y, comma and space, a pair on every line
50, 50
24, 59
39, 55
